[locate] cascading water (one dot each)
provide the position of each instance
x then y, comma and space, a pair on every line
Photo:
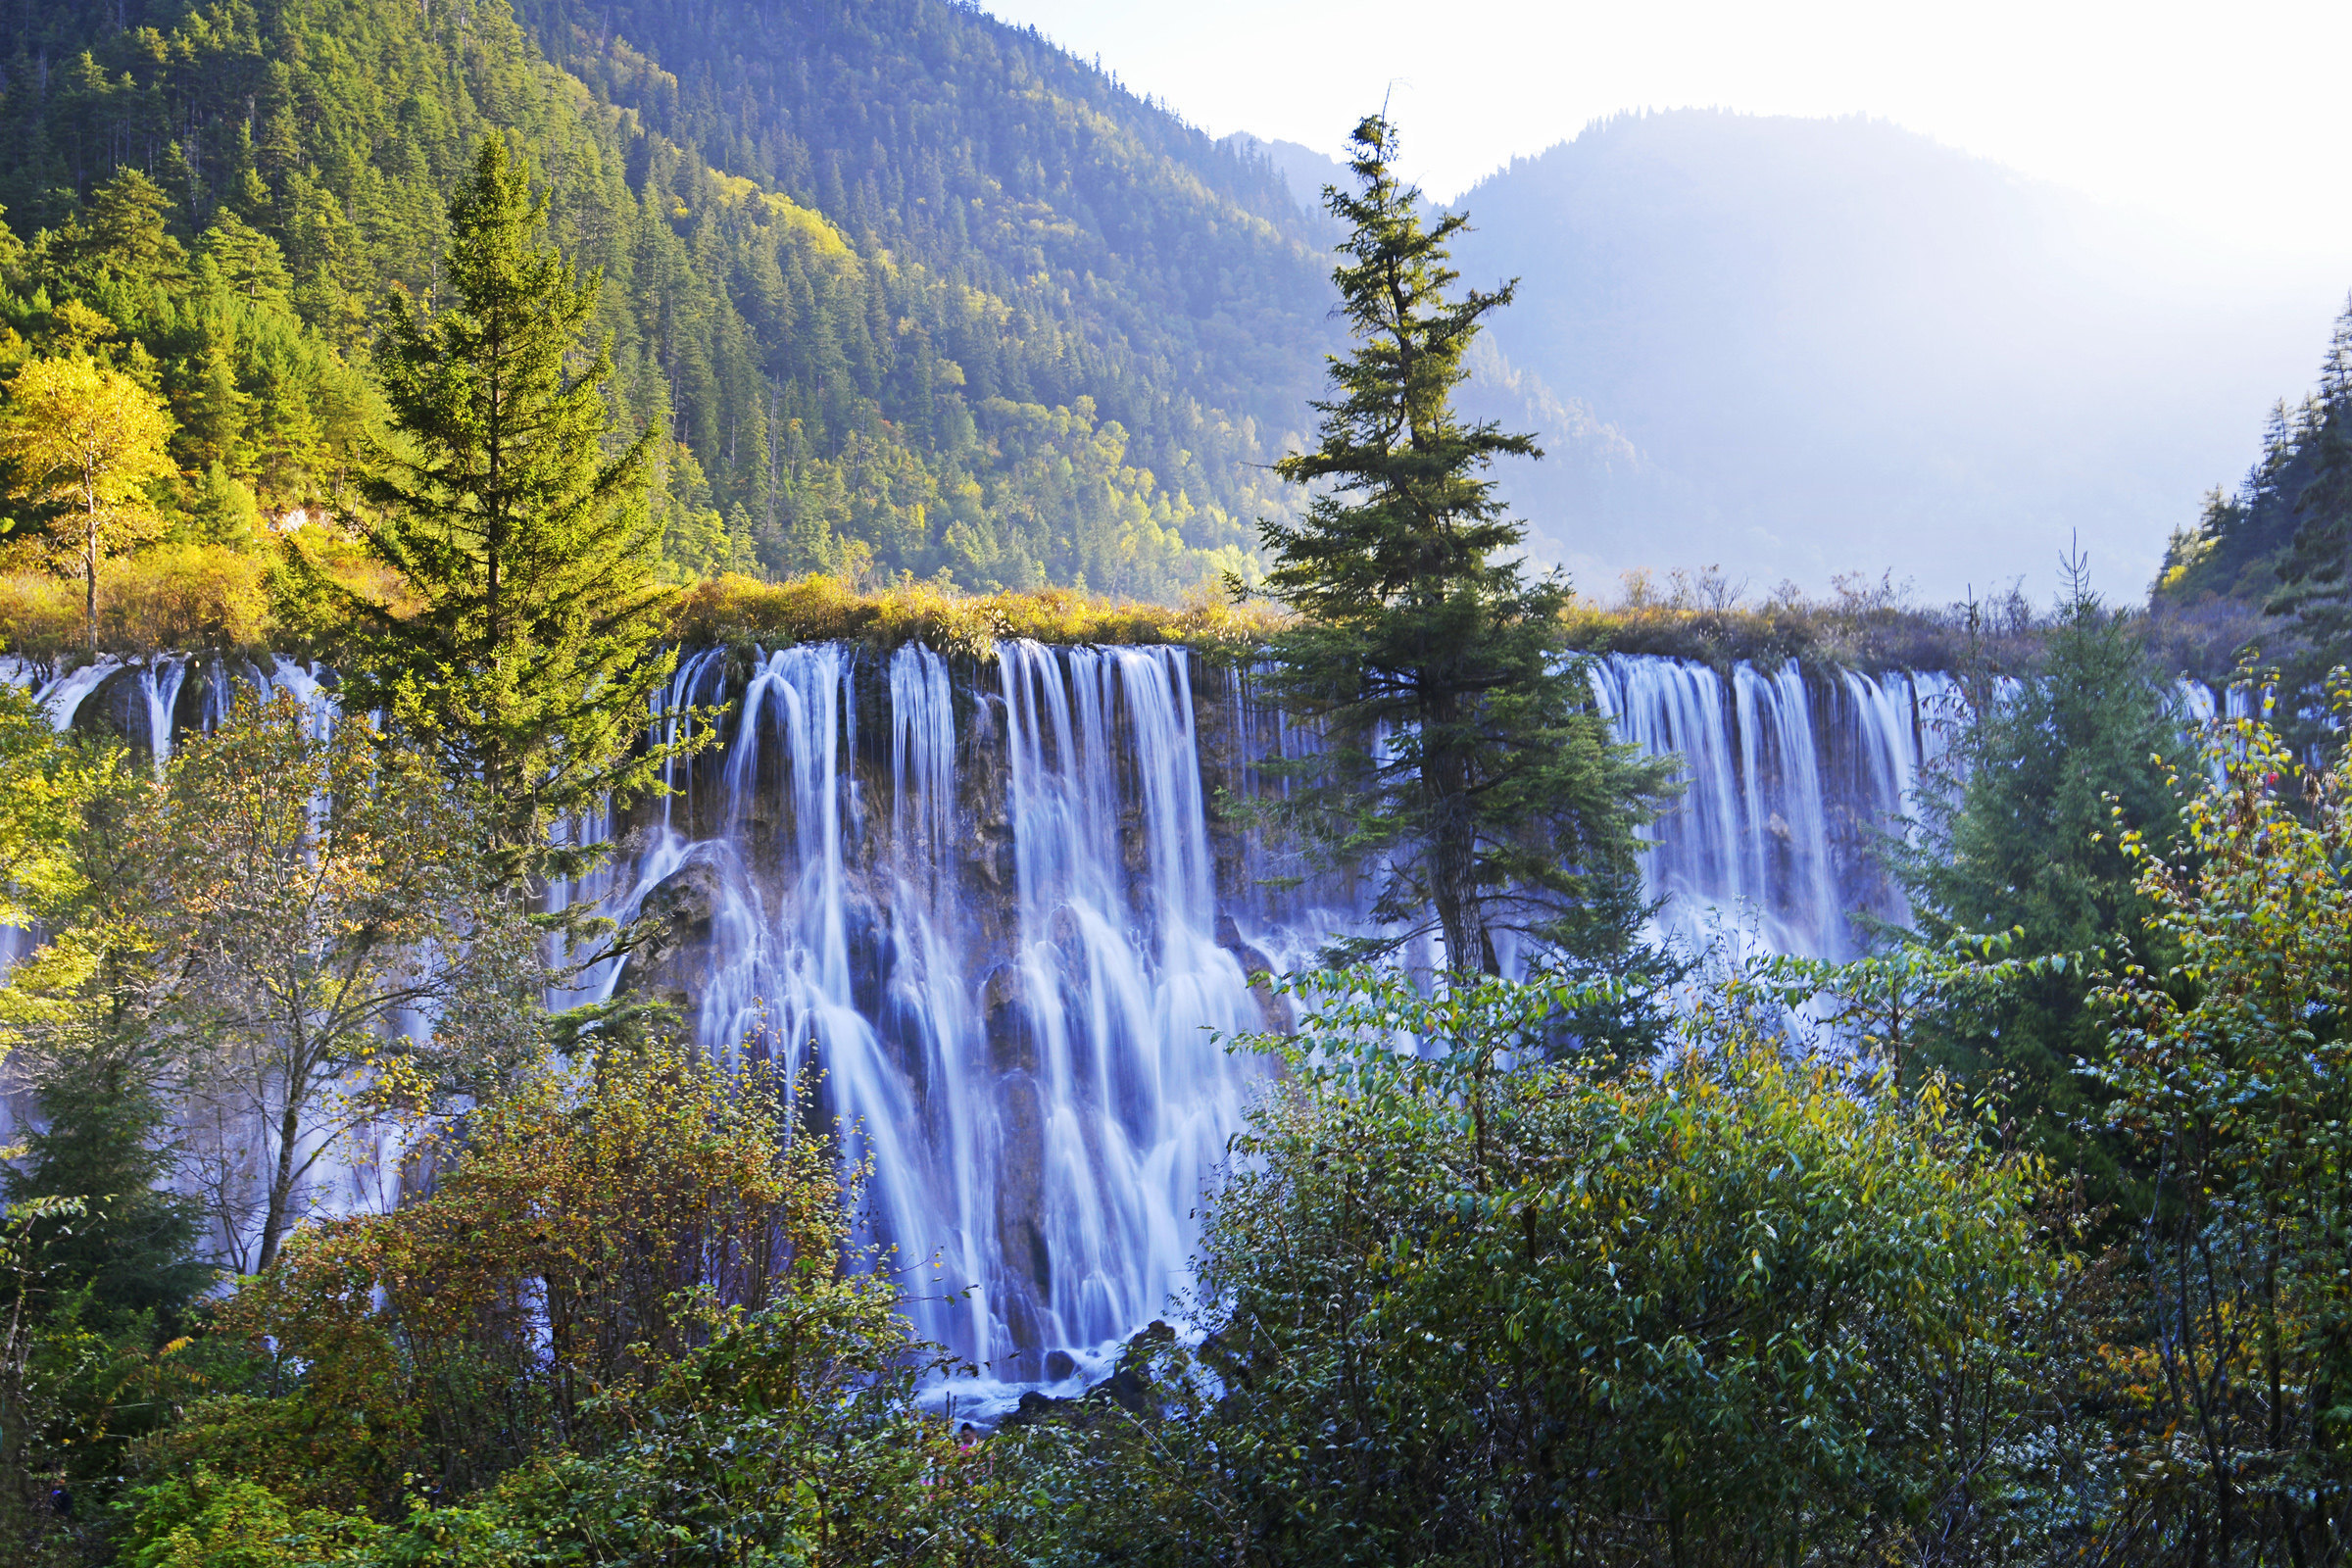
991, 905
1007, 967
1774, 832
1122, 983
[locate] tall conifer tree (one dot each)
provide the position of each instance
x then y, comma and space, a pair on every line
2018, 830
1466, 766
502, 503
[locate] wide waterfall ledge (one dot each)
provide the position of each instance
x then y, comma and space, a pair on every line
992, 899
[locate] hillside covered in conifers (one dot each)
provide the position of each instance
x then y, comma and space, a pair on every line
909, 291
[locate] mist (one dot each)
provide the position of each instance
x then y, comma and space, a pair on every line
1801, 348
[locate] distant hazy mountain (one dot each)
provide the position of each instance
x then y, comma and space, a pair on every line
1805, 347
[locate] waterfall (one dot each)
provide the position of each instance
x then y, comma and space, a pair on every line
997, 941
991, 907
1776, 827
1120, 980
64, 696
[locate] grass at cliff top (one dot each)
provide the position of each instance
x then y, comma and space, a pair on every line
187, 596
1873, 632
735, 608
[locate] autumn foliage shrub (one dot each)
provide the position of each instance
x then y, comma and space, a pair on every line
184, 596
627, 1324
40, 616
588, 1232
171, 598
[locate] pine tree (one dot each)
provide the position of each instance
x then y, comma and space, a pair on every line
102, 1138
121, 236
1464, 761
530, 662
248, 262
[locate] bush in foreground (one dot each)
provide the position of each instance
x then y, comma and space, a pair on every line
627, 1324
1478, 1306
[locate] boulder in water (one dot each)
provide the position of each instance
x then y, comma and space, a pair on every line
121, 708
1273, 1011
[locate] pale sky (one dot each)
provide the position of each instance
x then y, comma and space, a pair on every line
2228, 118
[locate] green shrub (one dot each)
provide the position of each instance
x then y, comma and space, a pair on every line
1479, 1306
210, 1520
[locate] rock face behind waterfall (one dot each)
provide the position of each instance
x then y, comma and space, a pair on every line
993, 905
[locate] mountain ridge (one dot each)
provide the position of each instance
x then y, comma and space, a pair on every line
1836, 345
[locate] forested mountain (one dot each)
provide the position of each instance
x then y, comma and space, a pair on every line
909, 288
2243, 545
2268, 567
911, 291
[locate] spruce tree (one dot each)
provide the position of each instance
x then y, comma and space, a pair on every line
1464, 764
2017, 834
520, 524
103, 1138
123, 235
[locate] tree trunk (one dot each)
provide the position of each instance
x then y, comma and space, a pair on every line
89, 562
281, 1183
1445, 785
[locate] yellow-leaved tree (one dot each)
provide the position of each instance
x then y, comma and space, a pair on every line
87, 441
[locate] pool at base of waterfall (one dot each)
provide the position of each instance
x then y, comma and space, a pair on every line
984, 1400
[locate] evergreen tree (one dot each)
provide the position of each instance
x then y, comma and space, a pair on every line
1463, 760
102, 1138
529, 662
2017, 834
123, 236
248, 262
